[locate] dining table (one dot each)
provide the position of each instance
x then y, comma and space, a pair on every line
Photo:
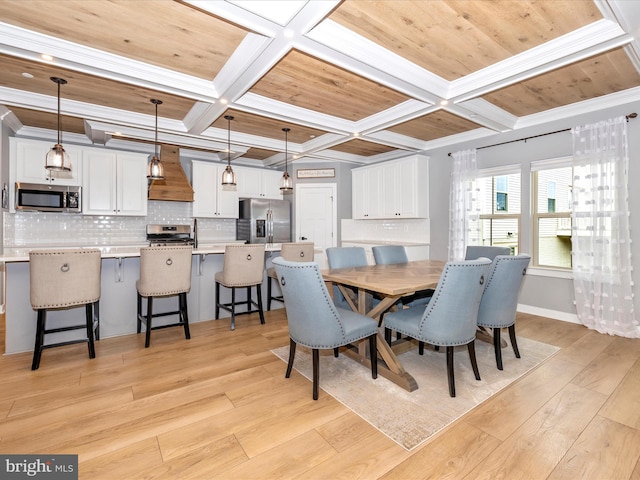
388, 284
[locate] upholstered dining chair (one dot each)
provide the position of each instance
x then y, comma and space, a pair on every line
294, 252
314, 320
345, 257
391, 254
490, 252
243, 267
500, 299
450, 318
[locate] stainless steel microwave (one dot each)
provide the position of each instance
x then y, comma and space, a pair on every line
48, 198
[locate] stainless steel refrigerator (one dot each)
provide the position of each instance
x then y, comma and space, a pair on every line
264, 221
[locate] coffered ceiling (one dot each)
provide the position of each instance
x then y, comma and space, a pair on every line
356, 81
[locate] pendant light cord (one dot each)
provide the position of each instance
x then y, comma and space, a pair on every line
59, 124
156, 129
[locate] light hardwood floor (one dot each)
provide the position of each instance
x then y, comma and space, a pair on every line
218, 407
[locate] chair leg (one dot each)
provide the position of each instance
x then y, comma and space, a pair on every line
387, 335
471, 346
336, 352
182, 300
497, 348
512, 337
269, 279
316, 372
260, 311
37, 350
420, 348
88, 308
233, 308
217, 313
96, 316
147, 339
292, 353
450, 376
139, 313
373, 349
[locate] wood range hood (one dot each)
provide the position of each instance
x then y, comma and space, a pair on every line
175, 187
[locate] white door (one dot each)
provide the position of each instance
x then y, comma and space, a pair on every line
316, 217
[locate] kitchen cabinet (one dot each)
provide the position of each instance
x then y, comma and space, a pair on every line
258, 183
114, 183
366, 192
209, 198
395, 189
27, 158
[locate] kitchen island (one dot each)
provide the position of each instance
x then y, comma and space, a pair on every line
120, 271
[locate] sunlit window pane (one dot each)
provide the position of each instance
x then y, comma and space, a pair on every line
554, 242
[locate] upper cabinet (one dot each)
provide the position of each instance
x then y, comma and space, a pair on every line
115, 183
209, 198
258, 183
395, 189
27, 159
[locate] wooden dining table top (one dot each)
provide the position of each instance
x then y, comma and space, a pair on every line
392, 280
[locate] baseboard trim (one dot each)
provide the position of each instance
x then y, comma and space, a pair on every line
545, 312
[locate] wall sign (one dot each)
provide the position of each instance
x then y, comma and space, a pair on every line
316, 173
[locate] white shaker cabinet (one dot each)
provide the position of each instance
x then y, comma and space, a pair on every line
209, 198
27, 159
395, 189
258, 183
115, 183
366, 184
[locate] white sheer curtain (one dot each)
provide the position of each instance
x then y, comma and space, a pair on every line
601, 249
464, 214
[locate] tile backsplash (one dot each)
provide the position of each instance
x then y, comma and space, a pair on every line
387, 230
59, 229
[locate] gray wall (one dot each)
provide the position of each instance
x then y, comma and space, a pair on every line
541, 292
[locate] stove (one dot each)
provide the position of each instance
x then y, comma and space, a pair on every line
160, 235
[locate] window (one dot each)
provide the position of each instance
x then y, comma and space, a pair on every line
552, 213
499, 208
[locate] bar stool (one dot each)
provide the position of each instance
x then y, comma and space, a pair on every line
63, 279
293, 252
243, 267
165, 271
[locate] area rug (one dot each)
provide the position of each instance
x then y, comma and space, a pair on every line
410, 418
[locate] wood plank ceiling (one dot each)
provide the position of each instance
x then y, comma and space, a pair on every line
356, 81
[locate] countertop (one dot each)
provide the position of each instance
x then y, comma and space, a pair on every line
21, 254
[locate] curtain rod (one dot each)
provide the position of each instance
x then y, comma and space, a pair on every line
631, 115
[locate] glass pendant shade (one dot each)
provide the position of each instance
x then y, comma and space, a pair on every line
155, 169
57, 159
228, 176
286, 182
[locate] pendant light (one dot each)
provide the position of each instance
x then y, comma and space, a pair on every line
155, 169
57, 159
286, 183
228, 177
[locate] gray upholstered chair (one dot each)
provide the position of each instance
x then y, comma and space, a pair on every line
477, 251
243, 268
63, 279
294, 252
314, 321
500, 299
165, 271
450, 318
345, 257
390, 254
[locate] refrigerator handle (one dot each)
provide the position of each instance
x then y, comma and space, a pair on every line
269, 226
